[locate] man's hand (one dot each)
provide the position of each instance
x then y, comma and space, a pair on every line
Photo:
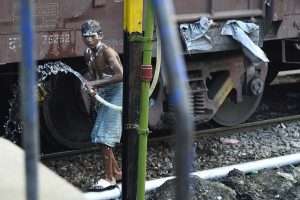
88, 86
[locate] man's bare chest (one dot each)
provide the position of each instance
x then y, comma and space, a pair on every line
98, 62
100, 66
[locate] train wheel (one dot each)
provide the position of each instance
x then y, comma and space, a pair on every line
231, 114
65, 114
234, 111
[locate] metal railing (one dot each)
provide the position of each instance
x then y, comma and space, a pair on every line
29, 108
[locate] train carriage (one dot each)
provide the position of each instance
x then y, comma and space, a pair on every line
225, 78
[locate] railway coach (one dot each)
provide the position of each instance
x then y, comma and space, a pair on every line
232, 49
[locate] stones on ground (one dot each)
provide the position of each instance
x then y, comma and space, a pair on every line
266, 184
85, 170
199, 190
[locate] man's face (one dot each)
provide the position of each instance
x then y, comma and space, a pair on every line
91, 39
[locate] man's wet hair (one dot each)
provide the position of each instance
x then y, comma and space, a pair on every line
91, 26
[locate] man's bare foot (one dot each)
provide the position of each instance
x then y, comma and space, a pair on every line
111, 180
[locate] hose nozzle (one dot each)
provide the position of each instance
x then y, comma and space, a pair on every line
89, 90
93, 93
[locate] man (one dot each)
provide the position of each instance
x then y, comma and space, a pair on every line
106, 73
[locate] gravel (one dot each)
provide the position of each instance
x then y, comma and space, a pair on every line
209, 152
84, 170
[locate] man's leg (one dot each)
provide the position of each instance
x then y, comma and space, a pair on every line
108, 162
116, 169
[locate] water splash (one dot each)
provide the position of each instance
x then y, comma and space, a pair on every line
53, 68
14, 126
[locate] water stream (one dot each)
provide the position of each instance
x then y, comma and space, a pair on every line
13, 127
53, 68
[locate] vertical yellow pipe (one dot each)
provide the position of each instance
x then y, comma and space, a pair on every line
133, 16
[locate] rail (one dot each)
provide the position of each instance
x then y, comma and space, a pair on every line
211, 132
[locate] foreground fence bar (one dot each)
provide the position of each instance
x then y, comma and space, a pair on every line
29, 107
177, 77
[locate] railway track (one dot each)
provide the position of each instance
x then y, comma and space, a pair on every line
210, 132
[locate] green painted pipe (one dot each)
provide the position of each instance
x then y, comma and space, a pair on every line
144, 107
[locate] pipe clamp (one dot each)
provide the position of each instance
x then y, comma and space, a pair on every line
137, 128
146, 73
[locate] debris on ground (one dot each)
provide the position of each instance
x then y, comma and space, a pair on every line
283, 183
228, 141
199, 190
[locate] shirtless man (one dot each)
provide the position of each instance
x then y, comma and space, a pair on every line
106, 73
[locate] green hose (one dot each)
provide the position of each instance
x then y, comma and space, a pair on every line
144, 107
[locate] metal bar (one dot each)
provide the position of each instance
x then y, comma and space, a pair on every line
210, 132
283, 48
133, 15
29, 107
212, 7
60, 154
226, 131
177, 77
220, 15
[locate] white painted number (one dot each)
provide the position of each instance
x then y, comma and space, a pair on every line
14, 43
56, 38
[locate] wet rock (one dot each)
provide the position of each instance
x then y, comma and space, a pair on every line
287, 176
266, 184
199, 190
244, 189
295, 134
295, 144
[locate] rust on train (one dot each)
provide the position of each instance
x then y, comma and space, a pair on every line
226, 76
58, 26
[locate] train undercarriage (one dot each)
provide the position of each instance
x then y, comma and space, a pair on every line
224, 87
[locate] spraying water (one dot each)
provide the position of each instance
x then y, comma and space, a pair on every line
53, 68
13, 126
